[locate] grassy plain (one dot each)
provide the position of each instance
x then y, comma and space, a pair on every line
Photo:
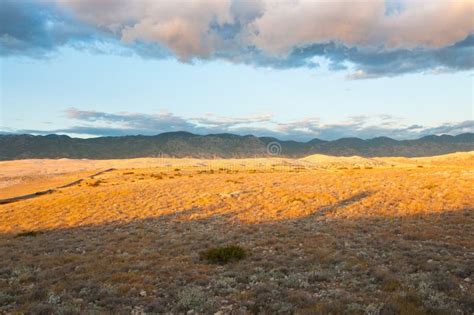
321, 235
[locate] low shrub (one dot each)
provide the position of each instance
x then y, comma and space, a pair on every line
95, 183
196, 300
223, 255
28, 234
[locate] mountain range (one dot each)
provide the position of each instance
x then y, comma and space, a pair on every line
184, 144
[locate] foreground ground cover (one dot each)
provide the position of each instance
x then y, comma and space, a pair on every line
381, 238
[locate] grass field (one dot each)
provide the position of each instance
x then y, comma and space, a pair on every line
320, 235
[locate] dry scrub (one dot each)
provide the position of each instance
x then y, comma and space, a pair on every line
364, 239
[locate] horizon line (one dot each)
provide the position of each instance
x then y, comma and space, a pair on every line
4, 133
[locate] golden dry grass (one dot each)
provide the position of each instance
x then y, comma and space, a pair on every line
323, 235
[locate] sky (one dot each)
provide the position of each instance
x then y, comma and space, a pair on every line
289, 69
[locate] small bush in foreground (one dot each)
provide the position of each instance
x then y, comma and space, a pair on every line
95, 183
28, 234
222, 255
192, 299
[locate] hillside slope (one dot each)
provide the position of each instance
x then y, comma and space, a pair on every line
183, 144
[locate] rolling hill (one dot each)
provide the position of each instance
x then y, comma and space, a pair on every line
184, 144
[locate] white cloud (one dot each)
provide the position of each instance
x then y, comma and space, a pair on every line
276, 27
181, 26
375, 38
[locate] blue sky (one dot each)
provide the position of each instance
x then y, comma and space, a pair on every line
80, 77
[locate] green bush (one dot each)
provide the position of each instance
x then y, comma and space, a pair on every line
223, 255
28, 234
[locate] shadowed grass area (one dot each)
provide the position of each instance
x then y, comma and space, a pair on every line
223, 255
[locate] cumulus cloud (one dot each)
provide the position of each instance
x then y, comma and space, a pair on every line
369, 38
364, 23
36, 29
94, 123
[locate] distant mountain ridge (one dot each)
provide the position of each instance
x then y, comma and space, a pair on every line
185, 144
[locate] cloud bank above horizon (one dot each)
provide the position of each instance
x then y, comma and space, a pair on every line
366, 39
95, 123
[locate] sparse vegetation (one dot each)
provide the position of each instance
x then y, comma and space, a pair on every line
28, 234
320, 240
192, 298
223, 255
94, 183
